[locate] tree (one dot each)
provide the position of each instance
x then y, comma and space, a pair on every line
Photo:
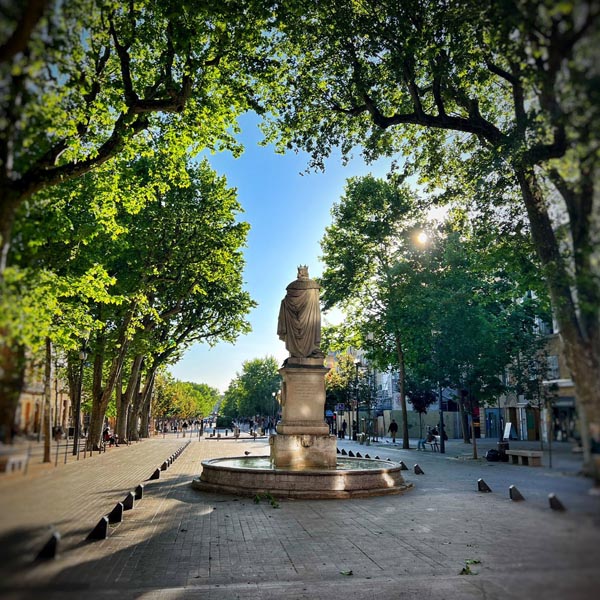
92, 80
371, 226
340, 381
182, 399
478, 313
86, 84
421, 396
176, 276
251, 392
455, 312
489, 98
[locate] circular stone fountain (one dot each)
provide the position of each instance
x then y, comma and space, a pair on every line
350, 478
303, 461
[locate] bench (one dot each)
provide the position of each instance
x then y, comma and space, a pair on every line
13, 462
532, 458
435, 445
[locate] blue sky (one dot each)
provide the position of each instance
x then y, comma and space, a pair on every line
288, 211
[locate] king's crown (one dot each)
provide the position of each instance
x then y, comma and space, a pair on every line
303, 272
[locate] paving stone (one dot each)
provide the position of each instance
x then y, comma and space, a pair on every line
179, 543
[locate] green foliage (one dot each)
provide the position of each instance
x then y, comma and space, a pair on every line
138, 72
266, 496
101, 106
420, 394
458, 306
251, 392
175, 260
340, 381
493, 102
182, 400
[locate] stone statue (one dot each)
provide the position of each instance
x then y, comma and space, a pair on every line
299, 323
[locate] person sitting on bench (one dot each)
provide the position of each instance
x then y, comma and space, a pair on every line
429, 439
110, 438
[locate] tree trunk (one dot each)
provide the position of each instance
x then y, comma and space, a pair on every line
119, 396
9, 203
147, 404
133, 429
133, 386
464, 421
47, 401
585, 441
145, 416
12, 376
142, 399
580, 336
102, 395
402, 390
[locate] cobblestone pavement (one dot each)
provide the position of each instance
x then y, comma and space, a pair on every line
178, 543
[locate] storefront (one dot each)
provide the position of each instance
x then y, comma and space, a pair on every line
565, 424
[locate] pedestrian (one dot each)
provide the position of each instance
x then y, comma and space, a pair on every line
344, 427
393, 429
184, 426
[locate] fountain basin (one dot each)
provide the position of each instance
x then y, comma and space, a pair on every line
351, 478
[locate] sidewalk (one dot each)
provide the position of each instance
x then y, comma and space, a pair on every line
178, 543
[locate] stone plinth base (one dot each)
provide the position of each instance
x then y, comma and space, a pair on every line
303, 397
302, 427
303, 451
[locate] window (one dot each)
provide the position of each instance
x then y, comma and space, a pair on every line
553, 367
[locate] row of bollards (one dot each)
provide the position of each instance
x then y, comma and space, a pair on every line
100, 532
167, 463
114, 517
516, 496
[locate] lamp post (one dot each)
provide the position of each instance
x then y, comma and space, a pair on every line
77, 414
356, 428
442, 441
436, 340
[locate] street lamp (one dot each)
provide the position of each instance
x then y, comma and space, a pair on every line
77, 415
442, 441
355, 432
436, 340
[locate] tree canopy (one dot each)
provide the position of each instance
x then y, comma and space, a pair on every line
182, 399
496, 99
93, 80
454, 310
172, 272
250, 393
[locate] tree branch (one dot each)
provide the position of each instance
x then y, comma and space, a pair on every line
19, 38
40, 177
122, 51
437, 95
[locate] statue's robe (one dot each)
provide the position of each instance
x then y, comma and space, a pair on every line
299, 324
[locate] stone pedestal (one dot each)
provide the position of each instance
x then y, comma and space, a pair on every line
303, 439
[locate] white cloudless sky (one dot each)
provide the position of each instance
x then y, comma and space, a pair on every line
288, 210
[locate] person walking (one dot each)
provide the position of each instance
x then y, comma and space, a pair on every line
344, 427
393, 429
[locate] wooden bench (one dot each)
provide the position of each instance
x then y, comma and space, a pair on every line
531, 458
